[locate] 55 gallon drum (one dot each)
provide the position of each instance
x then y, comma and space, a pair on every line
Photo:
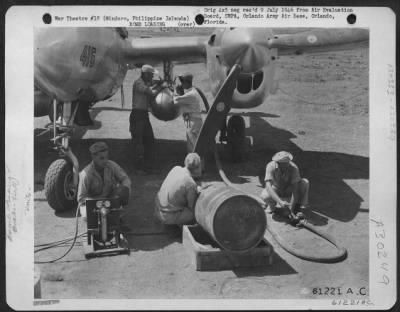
234, 220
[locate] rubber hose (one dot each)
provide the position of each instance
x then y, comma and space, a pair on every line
342, 252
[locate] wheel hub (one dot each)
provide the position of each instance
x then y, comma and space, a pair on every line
69, 187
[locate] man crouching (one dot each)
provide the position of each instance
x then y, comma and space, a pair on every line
102, 178
175, 202
283, 183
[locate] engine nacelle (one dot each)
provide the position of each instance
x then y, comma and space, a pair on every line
42, 103
163, 107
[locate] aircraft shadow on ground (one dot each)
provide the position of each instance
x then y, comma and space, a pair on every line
154, 238
168, 153
68, 214
139, 215
329, 195
109, 108
255, 114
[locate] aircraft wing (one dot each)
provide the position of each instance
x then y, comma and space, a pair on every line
319, 40
156, 50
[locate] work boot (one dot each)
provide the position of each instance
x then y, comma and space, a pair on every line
300, 215
284, 212
293, 219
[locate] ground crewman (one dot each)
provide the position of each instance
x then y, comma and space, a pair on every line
102, 178
175, 202
143, 93
189, 102
283, 183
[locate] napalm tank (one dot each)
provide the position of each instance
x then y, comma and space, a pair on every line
234, 220
163, 107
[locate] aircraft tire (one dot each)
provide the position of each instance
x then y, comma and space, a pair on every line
236, 137
57, 184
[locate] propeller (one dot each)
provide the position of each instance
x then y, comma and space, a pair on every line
122, 96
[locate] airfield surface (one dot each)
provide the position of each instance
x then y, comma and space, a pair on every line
329, 138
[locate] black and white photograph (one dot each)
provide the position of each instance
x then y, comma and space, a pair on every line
202, 161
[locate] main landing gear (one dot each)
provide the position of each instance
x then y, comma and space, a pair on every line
61, 180
82, 116
233, 133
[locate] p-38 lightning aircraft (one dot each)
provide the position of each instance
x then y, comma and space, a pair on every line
76, 67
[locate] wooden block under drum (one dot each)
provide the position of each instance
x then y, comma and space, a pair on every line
206, 255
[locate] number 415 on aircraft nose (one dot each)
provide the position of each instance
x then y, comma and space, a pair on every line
88, 56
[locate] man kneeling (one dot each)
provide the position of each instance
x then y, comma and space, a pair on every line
283, 183
102, 178
174, 203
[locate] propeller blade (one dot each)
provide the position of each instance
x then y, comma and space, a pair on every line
217, 113
122, 97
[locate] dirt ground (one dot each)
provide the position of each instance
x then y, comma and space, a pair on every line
327, 132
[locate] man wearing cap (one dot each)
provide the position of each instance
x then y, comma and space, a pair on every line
102, 178
174, 203
283, 183
143, 93
189, 103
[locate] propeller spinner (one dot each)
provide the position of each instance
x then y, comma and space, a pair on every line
245, 46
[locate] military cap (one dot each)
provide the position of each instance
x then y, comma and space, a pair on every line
98, 147
186, 77
148, 69
282, 157
192, 161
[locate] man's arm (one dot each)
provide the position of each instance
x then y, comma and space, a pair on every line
157, 87
83, 190
269, 177
294, 181
182, 100
140, 86
121, 176
273, 194
295, 195
192, 194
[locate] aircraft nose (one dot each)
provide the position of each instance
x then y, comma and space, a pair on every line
52, 59
244, 46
